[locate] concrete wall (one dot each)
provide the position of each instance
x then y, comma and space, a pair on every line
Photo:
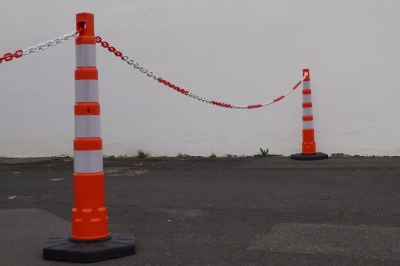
240, 52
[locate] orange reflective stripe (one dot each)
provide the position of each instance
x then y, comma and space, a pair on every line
87, 109
307, 105
88, 144
308, 118
306, 91
86, 73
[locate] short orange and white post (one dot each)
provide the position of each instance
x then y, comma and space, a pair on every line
308, 146
90, 240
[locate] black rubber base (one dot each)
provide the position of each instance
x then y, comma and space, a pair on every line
309, 157
67, 249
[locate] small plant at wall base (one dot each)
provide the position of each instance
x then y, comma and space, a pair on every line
141, 154
212, 155
264, 153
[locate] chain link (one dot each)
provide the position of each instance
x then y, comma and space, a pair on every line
107, 46
44, 46
41, 46
183, 91
9, 56
227, 105
136, 65
125, 58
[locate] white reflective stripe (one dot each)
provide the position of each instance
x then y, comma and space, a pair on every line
307, 111
306, 84
86, 91
87, 126
88, 161
306, 98
85, 55
308, 124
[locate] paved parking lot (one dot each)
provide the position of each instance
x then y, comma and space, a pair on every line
215, 211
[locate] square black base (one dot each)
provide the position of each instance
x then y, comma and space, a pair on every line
67, 249
309, 157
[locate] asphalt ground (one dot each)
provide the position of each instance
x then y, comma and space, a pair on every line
215, 211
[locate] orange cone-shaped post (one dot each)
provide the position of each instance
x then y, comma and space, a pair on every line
90, 240
89, 215
308, 146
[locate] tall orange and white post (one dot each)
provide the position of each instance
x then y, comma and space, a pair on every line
90, 239
308, 146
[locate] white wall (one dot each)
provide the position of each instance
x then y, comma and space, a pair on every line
240, 52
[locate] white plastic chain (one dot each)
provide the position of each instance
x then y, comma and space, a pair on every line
204, 99
44, 46
139, 67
